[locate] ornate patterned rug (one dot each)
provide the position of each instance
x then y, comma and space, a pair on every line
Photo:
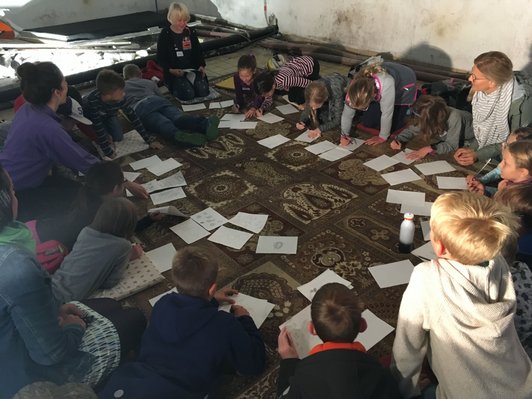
337, 209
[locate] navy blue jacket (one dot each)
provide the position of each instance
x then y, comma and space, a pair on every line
185, 349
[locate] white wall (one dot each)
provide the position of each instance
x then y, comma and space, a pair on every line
441, 32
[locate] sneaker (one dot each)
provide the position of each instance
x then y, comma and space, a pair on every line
190, 139
212, 128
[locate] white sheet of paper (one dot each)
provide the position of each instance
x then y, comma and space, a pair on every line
328, 276
425, 228
164, 166
214, 105
154, 300
189, 231
233, 117
231, 238
243, 125
162, 257
167, 210
335, 154
320, 147
226, 103
380, 163
131, 143
276, 245
250, 221
377, 330
273, 141
209, 219
225, 125
417, 208
401, 157
128, 193
144, 163
303, 341
167, 196
304, 137
432, 168
192, 107
400, 197
175, 180
270, 118
425, 252
258, 309
355, 143
287, 109
400, 176
131, 176
451, 183
392, 274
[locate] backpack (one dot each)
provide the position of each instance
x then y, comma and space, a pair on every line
520, 114
453, 91
50, 254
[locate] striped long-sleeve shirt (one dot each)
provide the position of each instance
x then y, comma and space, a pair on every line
97, 111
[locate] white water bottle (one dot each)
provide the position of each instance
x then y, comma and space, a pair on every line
406, 233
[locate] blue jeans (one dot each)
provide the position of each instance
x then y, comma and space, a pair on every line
160, 116
186, 91
114, 128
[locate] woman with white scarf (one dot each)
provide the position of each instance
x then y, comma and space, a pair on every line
493, 88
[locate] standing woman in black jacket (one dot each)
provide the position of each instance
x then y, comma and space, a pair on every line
179, 53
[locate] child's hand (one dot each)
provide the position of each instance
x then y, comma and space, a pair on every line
239, 311
259, 113
301, 107
224, 295
136, 189
235, 108
314, 133
285, 348
250, 113
374, 140
300, 125
395, 145
474, 186
419, 154
156, 216
503, 184
202, 70
156, 145
176, 72
465, 156
136, 251
345, 140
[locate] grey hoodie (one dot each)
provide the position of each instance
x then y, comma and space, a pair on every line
461, 317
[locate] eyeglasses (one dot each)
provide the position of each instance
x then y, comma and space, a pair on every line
474, 77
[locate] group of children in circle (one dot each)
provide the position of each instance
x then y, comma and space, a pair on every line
99, 222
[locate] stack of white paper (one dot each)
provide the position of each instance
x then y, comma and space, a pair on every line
162, 257
189, 231
276, 245
328, 276
144, 163
320, 147
392, 274
250, 221
258, 309
231, 238
380, 163
432, 168
273, 141
167, 196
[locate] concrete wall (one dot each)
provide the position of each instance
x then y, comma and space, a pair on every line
448, 33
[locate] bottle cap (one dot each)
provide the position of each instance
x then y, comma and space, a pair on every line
409, 216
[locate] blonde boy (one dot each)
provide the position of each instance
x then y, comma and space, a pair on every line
458, 309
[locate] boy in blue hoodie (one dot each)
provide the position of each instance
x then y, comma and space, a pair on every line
189, 343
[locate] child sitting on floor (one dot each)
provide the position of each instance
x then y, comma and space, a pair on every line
458, 309
101, 107
442, 129
482, 185
245, 97
291, 78
323, 104
189, 343
338, 368
519, 200
101, 253
515, 167
160, 116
